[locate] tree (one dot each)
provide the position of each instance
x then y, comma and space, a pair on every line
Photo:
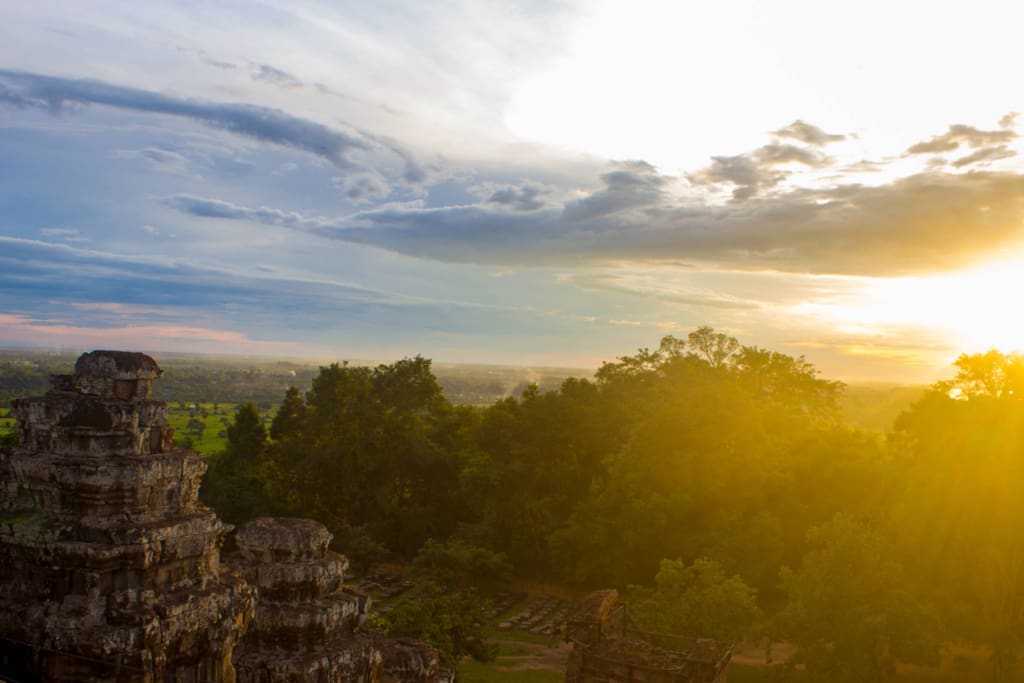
290, 419
374, 449
715, 348
451, 621
962, 509
992, 374
238, 478
247, 437
851, 612
459, 565
696, 600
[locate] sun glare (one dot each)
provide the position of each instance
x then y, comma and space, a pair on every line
972, 307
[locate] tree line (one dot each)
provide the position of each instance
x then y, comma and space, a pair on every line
715, 482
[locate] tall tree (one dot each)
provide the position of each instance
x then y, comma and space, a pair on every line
247, 437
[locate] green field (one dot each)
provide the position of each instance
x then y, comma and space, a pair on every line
203, 426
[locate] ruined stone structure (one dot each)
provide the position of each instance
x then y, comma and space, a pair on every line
306, 618
605, 649
109, 565
412, 661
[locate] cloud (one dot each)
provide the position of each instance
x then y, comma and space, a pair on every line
363, 187
808, 134
985, 154
646, 287
260, 123
959, 134
58, 232
631, 185
40, 270
161, 159
268, 74
1009, 120
525, 197
863, 166
757, 170
927, 222
205, 207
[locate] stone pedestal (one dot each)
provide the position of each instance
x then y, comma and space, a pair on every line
109, 565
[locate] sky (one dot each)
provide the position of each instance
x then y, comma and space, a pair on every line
532, 183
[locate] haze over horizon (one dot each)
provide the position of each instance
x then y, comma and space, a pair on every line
524, 184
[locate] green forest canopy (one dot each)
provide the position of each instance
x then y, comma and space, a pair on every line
726, 467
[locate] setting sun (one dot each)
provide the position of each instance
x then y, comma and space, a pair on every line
972, 308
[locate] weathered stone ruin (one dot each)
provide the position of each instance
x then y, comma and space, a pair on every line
109, 565
606, 649
306, 618
412, 661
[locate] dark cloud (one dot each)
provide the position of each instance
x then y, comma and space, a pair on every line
808, 134
959, 134
261, 123
924, 223
631, 185
985, 154
523, 198
757, 170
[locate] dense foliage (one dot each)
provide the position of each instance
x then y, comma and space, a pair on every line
723, 473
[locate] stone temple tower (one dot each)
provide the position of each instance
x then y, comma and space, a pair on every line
109, 566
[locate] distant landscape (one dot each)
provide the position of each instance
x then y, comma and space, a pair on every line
727, 490
216, 385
